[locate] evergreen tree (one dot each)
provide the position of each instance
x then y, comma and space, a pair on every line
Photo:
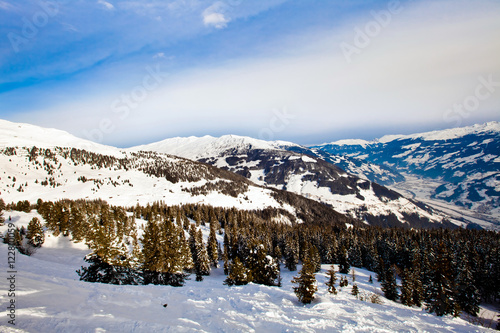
343, 262
100, 271
331, 280
291, 255
467, 293
306, 283
407, 288
212, 246
238, 273
2, 208
355, 291
389, 286
35, 233
314, 258
165, 254
355, 256
441, 293
263, 268
202, 263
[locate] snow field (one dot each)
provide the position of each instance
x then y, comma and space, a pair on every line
50, 298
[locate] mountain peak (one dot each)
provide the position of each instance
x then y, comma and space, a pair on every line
199, 147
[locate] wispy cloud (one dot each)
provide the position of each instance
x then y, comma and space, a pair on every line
214, 16
106, 4
5, 6
428, 58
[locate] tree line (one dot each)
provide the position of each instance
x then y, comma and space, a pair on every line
448, 271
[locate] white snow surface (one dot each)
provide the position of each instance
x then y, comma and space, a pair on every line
447, 134
50, 298
207, 146
26, 135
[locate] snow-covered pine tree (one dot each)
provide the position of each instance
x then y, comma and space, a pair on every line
202, 263
306, 283
100, 271
441, 291
331, 280
35, 234
264, 269
238, 273
467, 293
212, 246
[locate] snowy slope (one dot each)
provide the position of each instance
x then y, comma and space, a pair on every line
50, 298
296, 169
26, 135
464, 161
126, 178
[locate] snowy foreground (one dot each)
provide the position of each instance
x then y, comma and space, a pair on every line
50, 298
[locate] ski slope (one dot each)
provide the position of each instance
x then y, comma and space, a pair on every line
50, 298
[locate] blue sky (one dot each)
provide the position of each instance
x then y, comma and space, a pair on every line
132, 72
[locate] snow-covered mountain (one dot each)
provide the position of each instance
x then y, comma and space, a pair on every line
296, 169
51, 165
464, 161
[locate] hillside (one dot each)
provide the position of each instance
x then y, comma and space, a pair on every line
52, 299
289, 167
43, 163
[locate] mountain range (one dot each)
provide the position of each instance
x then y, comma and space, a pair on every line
342, 181
463, 163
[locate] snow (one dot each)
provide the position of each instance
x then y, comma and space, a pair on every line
50, 298
308, 159
26, 135
348, 142
440, 135
117, 187
195, 148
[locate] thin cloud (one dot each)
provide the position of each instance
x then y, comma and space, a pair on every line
214, 16
106, 4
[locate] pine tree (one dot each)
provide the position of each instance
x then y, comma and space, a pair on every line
100, 271
389, 286
441, 295
314, 258
343, 262
35, 233
407, 288
355, 256
355, 291
238, 273
202, 262
306, 283
263, 268
212, 246
331, 280
291, 255
467, 294
2, 208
